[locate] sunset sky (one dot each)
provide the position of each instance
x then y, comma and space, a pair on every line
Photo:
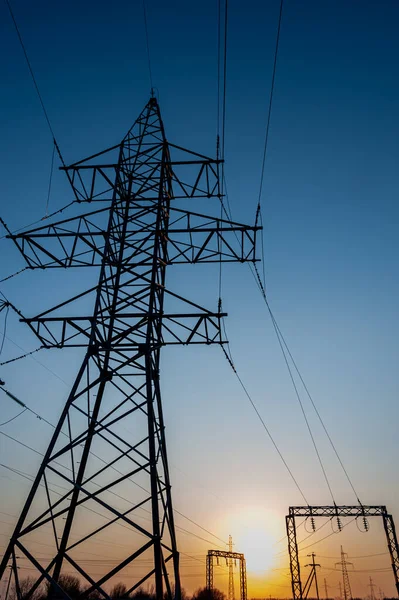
331, 216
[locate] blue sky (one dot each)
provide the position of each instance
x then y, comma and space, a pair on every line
330, 213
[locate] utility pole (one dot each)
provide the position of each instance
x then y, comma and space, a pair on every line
94, 477
312, 577
326, 588
345, 576
371, 586
231, 571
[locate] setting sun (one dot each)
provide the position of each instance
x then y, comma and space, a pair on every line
254, 534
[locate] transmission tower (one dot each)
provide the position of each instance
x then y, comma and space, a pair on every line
106, 467
371, 586
231, 571
345, 576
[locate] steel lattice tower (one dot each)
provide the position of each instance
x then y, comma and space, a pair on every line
345, 576
231, 571
106, 467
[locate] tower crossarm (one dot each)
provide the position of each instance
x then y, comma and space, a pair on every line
194, 175
191, 238
130, 330
226, 554
357, 510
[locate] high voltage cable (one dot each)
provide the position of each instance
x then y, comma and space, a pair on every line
102, 460
34, 80
5, 327
302, 407
224, 77
231, 363
283, 343
316, 411
13, 418
228, 356
327, 536
148, 46
269, 112
56, 212
31, 478
262, 288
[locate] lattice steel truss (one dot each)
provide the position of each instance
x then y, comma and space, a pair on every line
357, 511
228, 556
97, 475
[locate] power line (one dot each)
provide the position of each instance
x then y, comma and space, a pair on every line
5, 328
302, 407
50, 182
224, 77
9, 232
316, 410
269, 112
283, 343
13, 418
231, 363
34, 80
148, 46
327, 536
112, 467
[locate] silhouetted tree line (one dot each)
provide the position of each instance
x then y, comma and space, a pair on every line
74, 588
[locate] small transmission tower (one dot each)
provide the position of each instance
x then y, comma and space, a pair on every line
371, 586
345, 576
231, 571
95, 477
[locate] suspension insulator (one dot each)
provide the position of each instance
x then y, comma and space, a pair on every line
217, 561
366, 524
313, 524
339, 524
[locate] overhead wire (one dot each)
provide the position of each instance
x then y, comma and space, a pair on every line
4, 328
230, 361
262, 287
302, 407
148, 46
34, 80
269, 114
13, 418
49, 183
26, 407
316, 410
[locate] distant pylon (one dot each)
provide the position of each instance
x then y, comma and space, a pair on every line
231, 571
345, 577
371, 586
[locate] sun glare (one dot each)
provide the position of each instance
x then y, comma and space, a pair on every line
254, 534
256, 545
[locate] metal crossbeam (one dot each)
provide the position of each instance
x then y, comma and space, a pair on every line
331, 511
228, 556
